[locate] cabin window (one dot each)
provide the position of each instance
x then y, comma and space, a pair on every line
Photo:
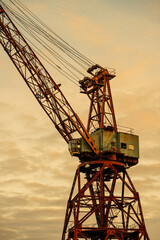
124, 145
131, 147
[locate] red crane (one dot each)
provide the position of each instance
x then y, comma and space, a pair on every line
103, 202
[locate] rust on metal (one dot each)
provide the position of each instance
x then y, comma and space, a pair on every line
98, 210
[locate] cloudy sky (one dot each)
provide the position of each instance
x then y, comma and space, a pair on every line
36, 168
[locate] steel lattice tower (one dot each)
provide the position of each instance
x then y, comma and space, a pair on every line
103, 202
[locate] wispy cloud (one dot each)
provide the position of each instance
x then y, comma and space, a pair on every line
36, 168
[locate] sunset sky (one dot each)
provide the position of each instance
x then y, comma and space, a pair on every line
36, 167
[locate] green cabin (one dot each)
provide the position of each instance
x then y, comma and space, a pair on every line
108, 140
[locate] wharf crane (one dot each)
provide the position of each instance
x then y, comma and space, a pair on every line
103, 203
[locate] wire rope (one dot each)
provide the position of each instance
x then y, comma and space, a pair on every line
47, 38
46, 46
56, 42
43, 24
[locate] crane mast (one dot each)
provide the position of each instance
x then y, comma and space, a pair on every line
97, 88
103, 203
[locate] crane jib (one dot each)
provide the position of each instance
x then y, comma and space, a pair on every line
42, 85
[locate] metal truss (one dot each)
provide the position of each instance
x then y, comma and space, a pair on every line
40, 82
103, 204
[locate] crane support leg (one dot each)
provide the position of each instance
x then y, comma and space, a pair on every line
103, 204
